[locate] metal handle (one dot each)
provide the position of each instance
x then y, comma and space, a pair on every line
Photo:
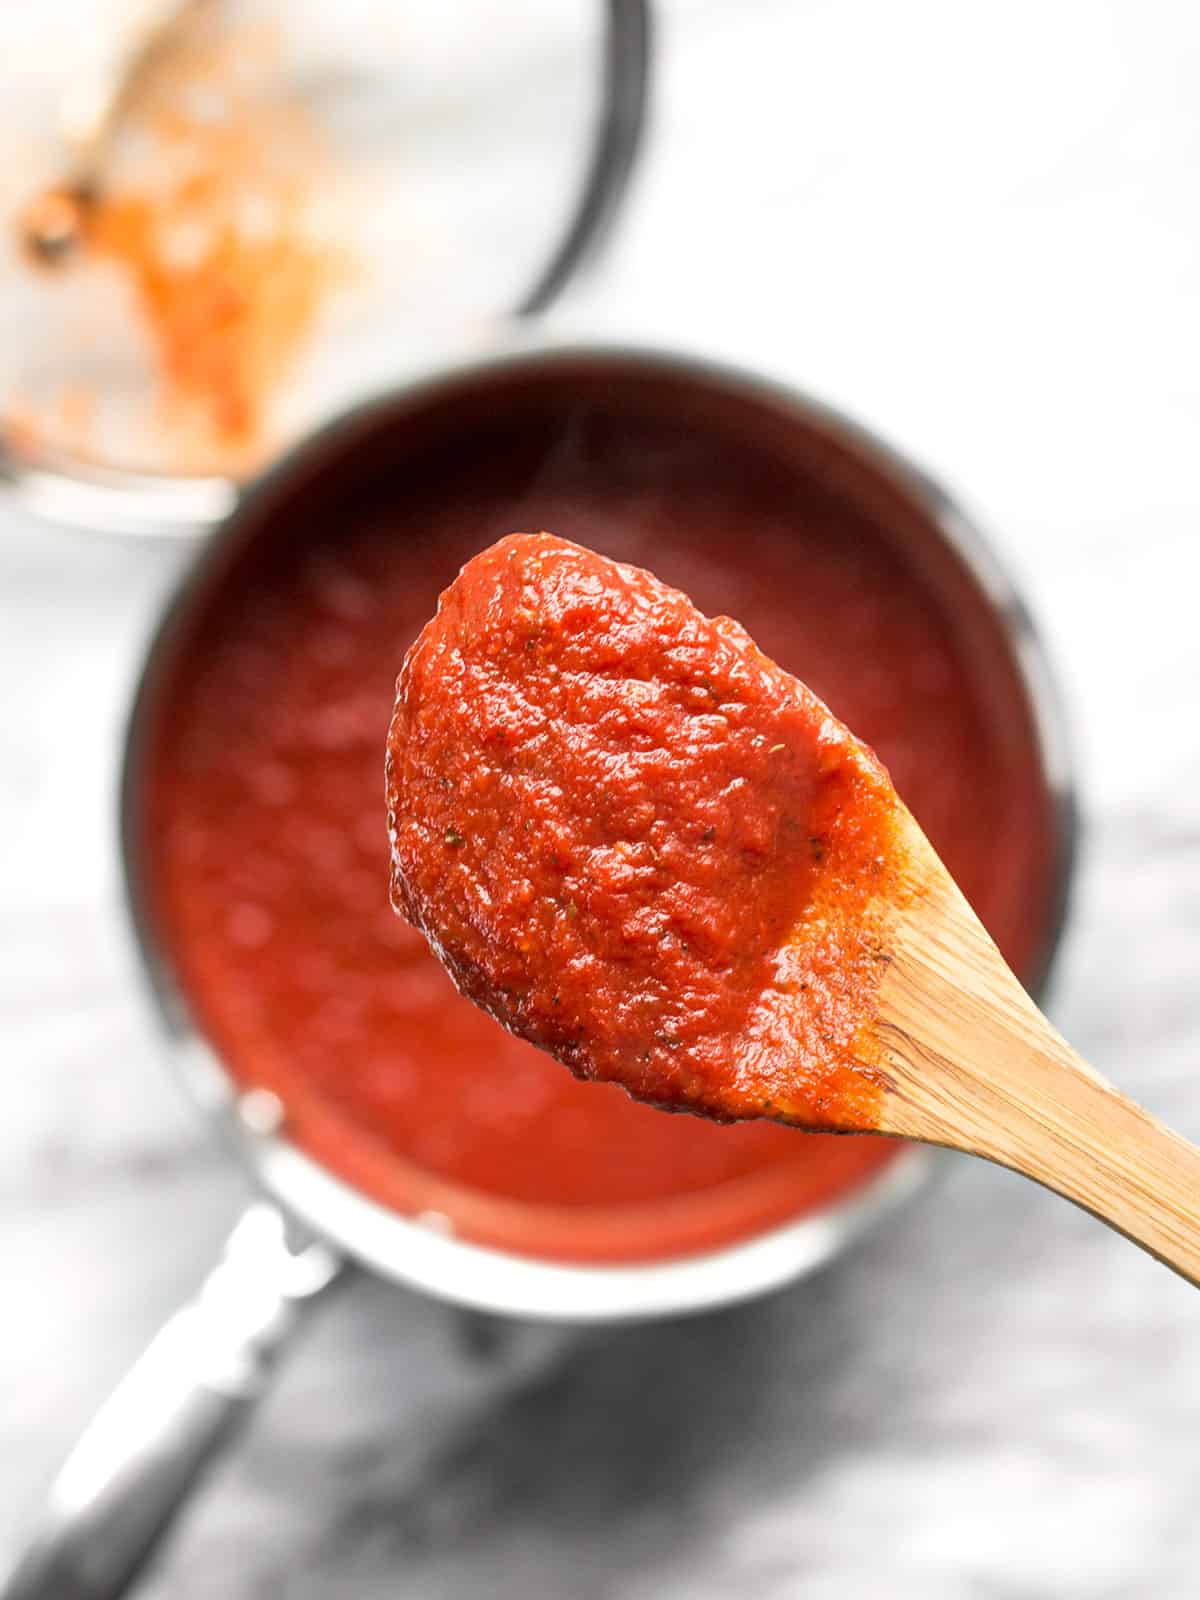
130, 1473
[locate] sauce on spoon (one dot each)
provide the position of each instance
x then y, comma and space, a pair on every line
638, 843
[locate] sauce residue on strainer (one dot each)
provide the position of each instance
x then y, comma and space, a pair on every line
213, 212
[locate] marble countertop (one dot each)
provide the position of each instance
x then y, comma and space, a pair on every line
978, 229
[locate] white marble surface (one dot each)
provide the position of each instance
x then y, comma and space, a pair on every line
979, 229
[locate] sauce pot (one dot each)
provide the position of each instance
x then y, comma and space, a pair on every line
203, 1372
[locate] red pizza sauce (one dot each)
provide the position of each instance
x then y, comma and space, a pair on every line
260, 789
635, 841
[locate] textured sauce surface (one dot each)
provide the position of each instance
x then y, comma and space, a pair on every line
636, 841
265, 849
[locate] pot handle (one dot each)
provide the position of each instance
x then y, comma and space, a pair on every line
184, 1399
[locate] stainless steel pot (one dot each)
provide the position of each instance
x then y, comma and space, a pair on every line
201, 1375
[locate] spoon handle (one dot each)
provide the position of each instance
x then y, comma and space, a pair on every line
93, 107
974, 1065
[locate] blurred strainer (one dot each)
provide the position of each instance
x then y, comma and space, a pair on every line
285, 205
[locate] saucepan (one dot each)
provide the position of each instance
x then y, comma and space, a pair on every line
203, 1372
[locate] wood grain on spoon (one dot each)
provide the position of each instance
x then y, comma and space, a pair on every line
643, 846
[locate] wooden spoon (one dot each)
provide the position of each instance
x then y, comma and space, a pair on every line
94, 112
971, 1063
644, 847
